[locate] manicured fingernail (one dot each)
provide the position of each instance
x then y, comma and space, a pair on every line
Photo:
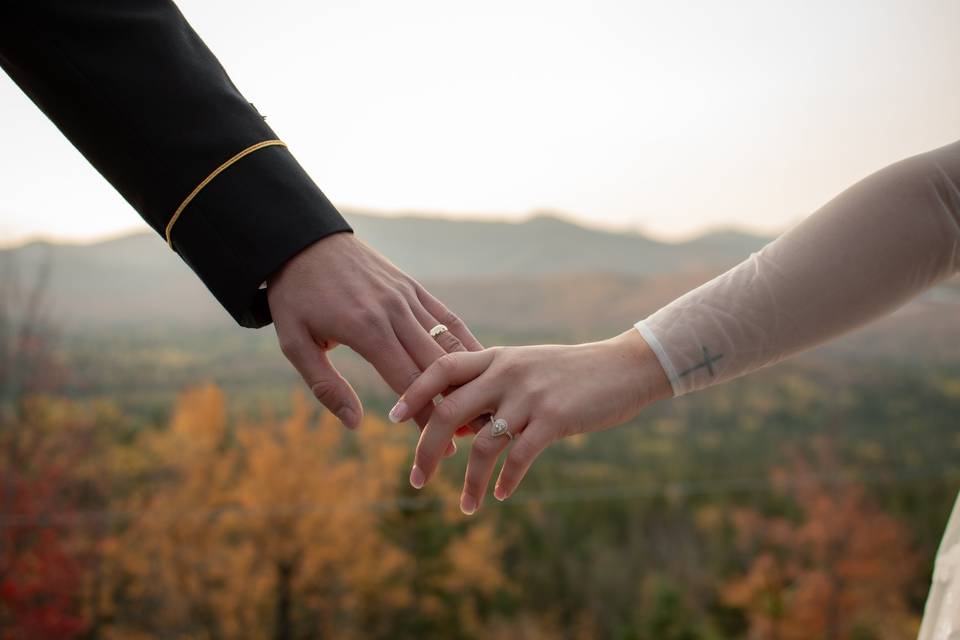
499, 493
467, 504
416, 477
398, 411
348, 417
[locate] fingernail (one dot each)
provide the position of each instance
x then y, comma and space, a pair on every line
416, 477
398, 411
467, 504
347, 416
499, 493
451, 450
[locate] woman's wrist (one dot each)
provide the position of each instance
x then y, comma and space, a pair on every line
643, 377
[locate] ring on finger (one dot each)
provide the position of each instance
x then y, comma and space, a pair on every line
438, 330
499, 427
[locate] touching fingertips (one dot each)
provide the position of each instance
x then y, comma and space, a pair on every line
399, 411
468, 504
417, 479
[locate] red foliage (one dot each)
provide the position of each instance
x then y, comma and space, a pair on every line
39, 580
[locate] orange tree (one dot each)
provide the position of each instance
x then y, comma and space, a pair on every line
289, 527
833, 567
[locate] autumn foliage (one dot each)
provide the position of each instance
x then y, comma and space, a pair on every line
214, 524
277, 528
834, 567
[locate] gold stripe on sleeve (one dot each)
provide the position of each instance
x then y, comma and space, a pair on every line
223, 167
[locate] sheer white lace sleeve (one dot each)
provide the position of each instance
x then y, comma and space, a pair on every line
863, 254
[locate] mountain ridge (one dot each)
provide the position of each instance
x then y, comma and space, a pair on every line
135, 278
710, 234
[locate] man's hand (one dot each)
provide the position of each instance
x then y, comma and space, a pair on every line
340, 291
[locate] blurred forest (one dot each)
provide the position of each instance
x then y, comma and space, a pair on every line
162, 482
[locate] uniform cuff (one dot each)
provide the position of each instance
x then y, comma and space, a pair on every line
249, 221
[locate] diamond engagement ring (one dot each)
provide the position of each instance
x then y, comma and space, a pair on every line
437, 330
499, 428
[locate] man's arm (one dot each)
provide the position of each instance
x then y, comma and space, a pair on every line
139, 94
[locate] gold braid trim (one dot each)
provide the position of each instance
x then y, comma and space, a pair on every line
209, 178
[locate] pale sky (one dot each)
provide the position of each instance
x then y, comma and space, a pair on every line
667, 117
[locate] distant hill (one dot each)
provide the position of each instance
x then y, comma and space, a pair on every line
540, 280
136, 280
545, 278
543, 245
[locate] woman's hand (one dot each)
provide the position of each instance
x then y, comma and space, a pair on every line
543, 393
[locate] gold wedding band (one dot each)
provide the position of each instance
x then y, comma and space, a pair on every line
437, 330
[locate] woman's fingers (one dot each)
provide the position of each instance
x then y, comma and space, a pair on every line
483, 458
526, 447
413, 330
449, 371
460, 406
448, 342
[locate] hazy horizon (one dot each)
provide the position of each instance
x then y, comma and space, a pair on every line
670, 120
468, 217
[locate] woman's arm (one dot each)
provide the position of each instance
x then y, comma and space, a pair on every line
862, 255
866, 252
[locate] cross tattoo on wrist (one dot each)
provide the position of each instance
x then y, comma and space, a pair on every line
708, 361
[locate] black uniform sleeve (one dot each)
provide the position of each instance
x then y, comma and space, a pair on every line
139, 94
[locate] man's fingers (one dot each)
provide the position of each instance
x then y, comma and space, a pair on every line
386, 354
449, 319
414, 335
529, 444
460, 406
384, 351
449, 371
421, 348
446, 340
326, 383
449, 343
